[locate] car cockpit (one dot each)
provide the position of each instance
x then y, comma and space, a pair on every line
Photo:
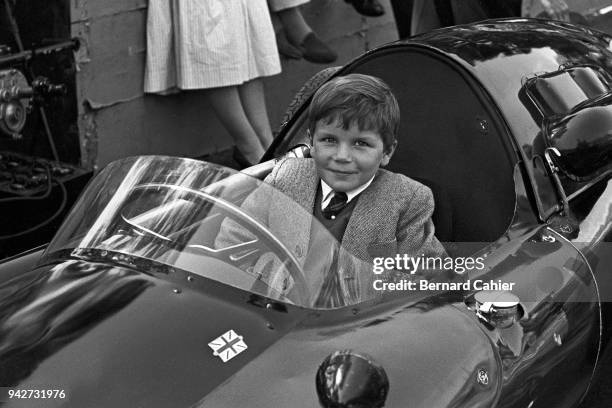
451, 137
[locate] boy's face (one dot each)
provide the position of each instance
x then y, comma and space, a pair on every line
347, 158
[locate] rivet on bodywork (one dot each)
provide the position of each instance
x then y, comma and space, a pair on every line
484, 125
190, 278
482, 377
557, 339
176, 290
268, 305
269, 326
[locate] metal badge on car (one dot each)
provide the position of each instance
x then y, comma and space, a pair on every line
228, 345
483, 377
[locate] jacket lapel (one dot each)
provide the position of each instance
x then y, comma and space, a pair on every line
355, 269
358, 233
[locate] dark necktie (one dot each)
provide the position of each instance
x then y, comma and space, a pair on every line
336, 204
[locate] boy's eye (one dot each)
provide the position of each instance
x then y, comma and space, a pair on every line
327, 139
361, 143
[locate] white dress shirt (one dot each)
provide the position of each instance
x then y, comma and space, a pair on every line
327, 193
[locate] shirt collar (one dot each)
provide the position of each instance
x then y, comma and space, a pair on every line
326, 190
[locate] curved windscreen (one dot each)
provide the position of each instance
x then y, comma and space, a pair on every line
214, 222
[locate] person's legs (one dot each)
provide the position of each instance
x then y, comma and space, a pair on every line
228, 107
402, 12
424, 17
301, 35
369, 8
285, 48
254, 105
295, 26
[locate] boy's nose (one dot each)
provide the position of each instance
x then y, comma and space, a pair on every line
343, 152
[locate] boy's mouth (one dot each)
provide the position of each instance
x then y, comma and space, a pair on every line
341, 171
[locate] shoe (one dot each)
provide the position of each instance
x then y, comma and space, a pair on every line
315, 50
286, 49
370, 8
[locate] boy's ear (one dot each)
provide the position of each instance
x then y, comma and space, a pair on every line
388, 154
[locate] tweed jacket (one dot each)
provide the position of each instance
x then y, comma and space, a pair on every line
392, 216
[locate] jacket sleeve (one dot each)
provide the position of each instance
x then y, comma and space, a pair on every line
415, 229
272, 275
257, 205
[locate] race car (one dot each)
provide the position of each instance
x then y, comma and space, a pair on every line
137, 301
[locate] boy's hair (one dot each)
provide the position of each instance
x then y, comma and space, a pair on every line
357, 98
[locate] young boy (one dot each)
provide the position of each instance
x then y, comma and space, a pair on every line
352, 121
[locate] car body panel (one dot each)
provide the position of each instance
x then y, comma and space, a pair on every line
504, 55
402, 340
501, 54
556, 344
560, 324
124, 323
